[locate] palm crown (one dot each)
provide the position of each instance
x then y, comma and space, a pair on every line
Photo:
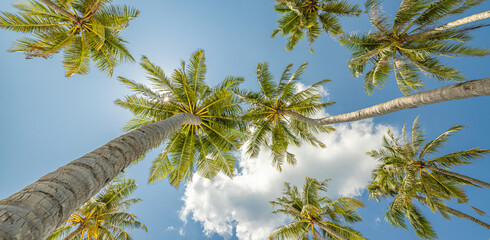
207, 147
407, 46
269, 125
84, 29
300, 17
104, 216
405, 173
309, 209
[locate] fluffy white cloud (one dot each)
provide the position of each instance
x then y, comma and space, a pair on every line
243, 202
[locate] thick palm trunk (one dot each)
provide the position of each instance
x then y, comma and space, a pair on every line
457, 213
75, 233
37, 210
457, 175
60, 10
330, 231
473, 88
453, 24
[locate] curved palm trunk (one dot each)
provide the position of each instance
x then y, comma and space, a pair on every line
60, 10
473, 88
37, 210
457, 175
457, 213
75, 233
453, 24
329, 230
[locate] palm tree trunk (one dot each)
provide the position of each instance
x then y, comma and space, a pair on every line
464, 215
457, 213
60, 10
473, 88
75, 233
37, 210
457, 175
330, 231
453, 24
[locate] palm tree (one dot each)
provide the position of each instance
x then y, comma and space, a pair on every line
405, 172
410, 44
103, 217
300, 17
269, 126
468, 89
86, 30
37, 210
309, 210
206, 147
412, 153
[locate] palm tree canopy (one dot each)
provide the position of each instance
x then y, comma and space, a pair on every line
205, 148
94, 36
310, 205
403, 174
269, 125
104, 216
310, 17
393, 48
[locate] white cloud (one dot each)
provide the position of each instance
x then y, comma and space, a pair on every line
243, 202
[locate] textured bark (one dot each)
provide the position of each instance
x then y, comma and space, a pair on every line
75, 233
457, 175
36, 211
330, 231
457, 213
60, 10
453, 24
473, 88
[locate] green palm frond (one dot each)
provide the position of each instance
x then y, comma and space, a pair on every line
394, 48
310, 206
404, 173
458, 158
269, 126
300, 18
88, 31
206, 148
104, 216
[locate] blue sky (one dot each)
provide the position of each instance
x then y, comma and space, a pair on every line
48, 120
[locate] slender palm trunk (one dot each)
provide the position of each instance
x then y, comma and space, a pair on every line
75, 233
464, 215
453, 24
61, 10
457, 213
473, 88
457, 175
330, 231
37, 210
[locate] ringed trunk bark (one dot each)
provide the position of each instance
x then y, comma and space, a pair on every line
458, 213
61, 10
329, 230
468, 89
453, 24
74, 233
457, 175
36, 211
